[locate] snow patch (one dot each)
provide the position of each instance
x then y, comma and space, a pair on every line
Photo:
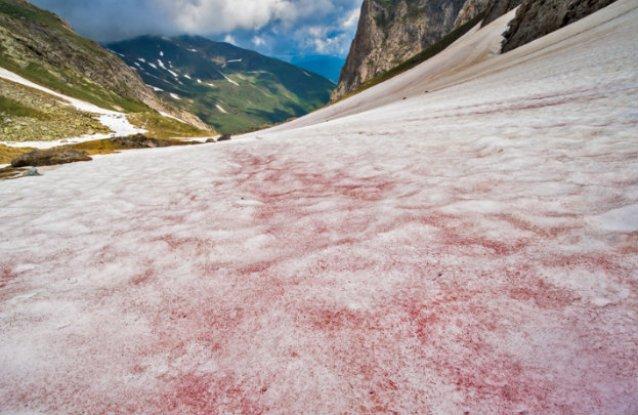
624, 219
220, 108
230, 80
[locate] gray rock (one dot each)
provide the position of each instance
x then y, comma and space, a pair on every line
8, 173
470, 10
498, 8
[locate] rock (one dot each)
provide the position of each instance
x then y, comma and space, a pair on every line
142, 141
32, 172
498, 8
470, 10
50, 157
8, 173
137, 141
224, 137
537, 18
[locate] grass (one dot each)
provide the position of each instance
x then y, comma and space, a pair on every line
10, 107
419, 58
164, 127
18, 57
110, 146
92, 148
9, 153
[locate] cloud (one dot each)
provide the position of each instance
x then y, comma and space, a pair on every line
252, 21
258, 41
230, 39
351, 19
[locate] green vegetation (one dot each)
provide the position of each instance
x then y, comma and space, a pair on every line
30, 115
9, 153
12, 108
164, 127
109, 146
39, 46
418, 58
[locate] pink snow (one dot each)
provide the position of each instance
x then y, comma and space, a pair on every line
473, 249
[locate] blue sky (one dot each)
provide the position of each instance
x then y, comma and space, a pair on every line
273, 27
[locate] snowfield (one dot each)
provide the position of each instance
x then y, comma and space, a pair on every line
472, 249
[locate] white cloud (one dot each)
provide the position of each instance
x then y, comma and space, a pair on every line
266, 24
258, 41
230, 39
351, 19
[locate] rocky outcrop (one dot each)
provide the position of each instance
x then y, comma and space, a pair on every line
390, 32
470, 10
50, 157
498, 8
535, 19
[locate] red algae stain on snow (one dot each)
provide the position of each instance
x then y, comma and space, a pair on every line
6, 275
193, 393
143, 278
485, 377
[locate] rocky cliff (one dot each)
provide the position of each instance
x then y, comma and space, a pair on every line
535, 19
391, 32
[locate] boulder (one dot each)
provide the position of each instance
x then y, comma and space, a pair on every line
142, 141
50, 157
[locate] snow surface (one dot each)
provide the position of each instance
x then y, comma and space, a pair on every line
220, 108
230, 80
117, 122
467, 250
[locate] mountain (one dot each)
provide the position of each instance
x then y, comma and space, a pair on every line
325, 65
233, 89
390, 32
40, 47
471, 249
395, 35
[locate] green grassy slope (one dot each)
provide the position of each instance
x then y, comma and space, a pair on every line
39, 46
233, 89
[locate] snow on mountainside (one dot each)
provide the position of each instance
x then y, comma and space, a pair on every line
115, 122
471, 249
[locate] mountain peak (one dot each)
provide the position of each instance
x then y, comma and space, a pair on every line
231, 88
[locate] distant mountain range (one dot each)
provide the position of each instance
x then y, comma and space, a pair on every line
232, 89
325, 65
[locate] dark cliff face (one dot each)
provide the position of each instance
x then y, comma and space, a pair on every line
535, 19
498, 8
391, 32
